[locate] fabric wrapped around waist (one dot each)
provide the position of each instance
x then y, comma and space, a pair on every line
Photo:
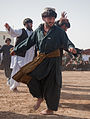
21, 76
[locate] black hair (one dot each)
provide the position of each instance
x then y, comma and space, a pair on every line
27, 20
7, 39
67, 24
49, 13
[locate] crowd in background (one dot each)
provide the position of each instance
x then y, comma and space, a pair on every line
79, 62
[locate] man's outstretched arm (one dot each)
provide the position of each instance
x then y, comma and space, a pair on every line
25, 45
13, 32
67, 44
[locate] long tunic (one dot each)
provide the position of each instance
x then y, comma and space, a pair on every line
29, 54
6, 59
18, 61
46, 77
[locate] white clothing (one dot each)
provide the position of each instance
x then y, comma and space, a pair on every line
1, 58
16, 68
15, 33
29, 53
85, 57
13, 60
17, 61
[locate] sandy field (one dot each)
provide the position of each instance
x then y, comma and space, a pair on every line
74, 103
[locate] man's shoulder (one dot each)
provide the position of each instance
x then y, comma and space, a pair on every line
58, 28
4, 45
11, 45
24, 32
23, 29
40, 27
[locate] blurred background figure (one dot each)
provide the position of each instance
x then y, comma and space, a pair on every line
5, 49
63, 22
1, 60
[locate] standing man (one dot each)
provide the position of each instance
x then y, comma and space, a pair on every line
5, 49
24, 57
64, 24
46, 77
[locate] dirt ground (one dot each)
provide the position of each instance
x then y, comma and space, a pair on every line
74, 104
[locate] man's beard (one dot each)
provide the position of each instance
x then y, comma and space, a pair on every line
29, 28
49, 26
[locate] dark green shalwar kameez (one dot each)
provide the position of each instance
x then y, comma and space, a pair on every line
46, 77
5, 49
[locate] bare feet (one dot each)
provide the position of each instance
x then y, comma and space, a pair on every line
47, 112
14, 90
37, 105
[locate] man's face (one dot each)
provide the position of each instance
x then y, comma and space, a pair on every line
8, 42
49, 21
29, 26
64, 27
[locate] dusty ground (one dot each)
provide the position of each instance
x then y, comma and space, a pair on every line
75, 99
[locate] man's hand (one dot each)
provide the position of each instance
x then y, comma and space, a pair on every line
12, 53
63, 14
7, 26
72, 50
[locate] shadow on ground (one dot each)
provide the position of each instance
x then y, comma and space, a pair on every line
11, 115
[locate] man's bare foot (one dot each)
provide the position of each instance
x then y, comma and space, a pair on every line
37, 105
47, 112
14, 90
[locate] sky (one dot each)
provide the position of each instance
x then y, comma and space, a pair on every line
78, 13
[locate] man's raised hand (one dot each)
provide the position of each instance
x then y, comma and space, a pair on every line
7, 26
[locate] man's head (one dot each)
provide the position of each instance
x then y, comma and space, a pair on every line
49, 16
8, 41
64, 22
28, 23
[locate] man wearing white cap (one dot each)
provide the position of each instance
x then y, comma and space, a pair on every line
25, 56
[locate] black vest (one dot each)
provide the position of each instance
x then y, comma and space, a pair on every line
19, 39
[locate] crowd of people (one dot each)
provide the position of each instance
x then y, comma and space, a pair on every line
36, 57
76, 62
